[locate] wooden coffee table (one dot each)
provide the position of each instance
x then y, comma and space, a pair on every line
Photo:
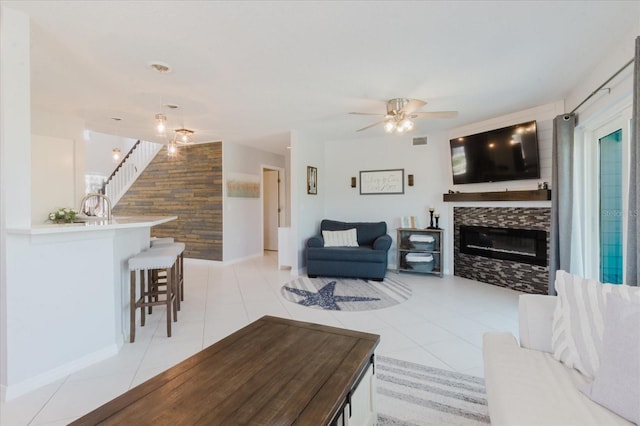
272, 372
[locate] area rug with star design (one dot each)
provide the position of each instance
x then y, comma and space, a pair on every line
345, 294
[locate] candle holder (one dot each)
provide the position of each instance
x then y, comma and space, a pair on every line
431, 220
437, 218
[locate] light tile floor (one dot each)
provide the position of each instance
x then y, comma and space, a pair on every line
440, 325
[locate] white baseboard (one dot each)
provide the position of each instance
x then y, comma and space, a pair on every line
10, 392
202, 262
205, 262
242, 259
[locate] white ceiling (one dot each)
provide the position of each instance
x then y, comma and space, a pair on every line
250, 72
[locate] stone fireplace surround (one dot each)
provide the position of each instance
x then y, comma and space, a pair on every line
504, 273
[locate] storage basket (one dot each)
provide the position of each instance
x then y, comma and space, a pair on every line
422, 242
419, 262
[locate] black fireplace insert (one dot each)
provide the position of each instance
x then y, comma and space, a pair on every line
519, 245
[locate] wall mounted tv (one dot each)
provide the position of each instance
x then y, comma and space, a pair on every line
510, 153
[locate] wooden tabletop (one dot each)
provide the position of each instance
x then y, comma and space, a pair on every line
272, 372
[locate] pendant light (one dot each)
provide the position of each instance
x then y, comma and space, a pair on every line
184, 135
172, 147
161, 124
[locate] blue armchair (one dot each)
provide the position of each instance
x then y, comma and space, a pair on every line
368, 260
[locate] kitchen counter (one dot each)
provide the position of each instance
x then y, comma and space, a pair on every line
94, 224
69, 291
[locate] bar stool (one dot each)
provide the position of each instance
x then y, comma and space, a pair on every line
160, 240
167, 241
158, 277
147, 261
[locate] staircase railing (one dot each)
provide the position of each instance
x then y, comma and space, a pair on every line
131, 166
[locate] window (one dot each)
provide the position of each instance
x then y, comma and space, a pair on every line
601, 192
610, 196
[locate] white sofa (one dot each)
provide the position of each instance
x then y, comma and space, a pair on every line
526, 385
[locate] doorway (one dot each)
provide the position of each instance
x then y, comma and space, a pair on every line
604, 185
610, 197
272, 211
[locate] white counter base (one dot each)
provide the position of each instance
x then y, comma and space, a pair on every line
67, 297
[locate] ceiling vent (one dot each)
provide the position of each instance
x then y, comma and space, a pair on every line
420, 141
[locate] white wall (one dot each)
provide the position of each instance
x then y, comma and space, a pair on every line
15, 152
346, 158
59, 125
306, 210
98, 152
52, 176
16, 117
287, 189
242, 223
620, 52
431, 166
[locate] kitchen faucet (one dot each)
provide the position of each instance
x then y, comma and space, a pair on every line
90, 211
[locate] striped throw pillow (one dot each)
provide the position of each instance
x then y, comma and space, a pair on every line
348, 238
578, 320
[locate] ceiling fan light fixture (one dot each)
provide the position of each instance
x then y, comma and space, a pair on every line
389, 126
406, 125
400, 115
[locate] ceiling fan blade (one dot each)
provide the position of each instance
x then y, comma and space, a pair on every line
435, 114
413, 105
365, 113
371, 125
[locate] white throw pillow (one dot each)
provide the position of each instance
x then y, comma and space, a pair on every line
348, 238
617, 382
578, 320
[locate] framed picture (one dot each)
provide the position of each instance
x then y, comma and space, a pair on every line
312, 180
243, 185
382, 182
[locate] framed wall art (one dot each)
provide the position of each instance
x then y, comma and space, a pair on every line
243, 185
382, 182
312, 180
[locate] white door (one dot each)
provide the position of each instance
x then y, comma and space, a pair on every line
271, 209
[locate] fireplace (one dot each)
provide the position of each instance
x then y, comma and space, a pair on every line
518, 245
486, 262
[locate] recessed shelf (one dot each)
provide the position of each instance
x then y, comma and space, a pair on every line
527, 195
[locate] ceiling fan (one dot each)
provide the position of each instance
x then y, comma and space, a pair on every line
401, 111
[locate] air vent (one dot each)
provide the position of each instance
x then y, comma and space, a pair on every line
420, 141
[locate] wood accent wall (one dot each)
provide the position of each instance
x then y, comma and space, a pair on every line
189, 186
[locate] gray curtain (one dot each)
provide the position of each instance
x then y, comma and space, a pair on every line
633, 257
561, 196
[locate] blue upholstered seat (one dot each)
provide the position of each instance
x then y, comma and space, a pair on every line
368, 260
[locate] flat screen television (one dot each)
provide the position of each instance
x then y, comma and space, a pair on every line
509, 153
